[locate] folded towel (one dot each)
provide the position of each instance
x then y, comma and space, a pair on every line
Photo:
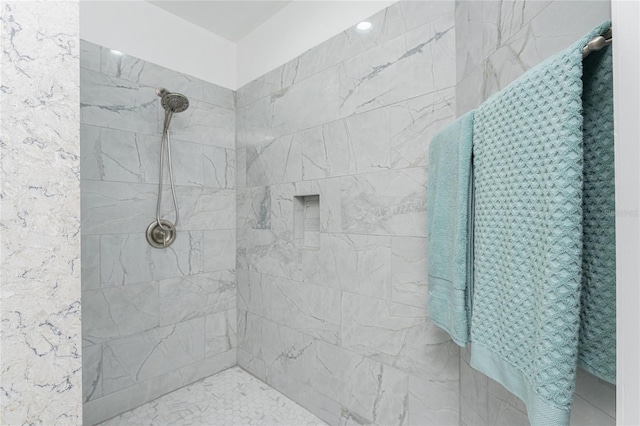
597, 339
528, 238
448, 228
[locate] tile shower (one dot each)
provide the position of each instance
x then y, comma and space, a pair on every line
304, 227
154, 320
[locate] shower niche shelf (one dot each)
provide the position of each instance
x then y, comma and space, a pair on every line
306, 221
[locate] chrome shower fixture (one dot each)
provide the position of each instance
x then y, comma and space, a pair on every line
162, 233
174, 102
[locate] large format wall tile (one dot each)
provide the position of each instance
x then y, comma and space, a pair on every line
196, 296
385, 203
419, 62
155, 319
363, 157
119, 104
311, 102
128, 258
40, 336
138, 358
119, 311
354, 263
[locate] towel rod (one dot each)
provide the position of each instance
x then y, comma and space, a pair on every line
597, 43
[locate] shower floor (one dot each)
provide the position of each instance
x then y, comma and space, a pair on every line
232, 397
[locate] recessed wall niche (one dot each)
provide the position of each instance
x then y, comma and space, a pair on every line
306, 221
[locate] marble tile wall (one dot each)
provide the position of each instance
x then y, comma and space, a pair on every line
495, 43
340, 325
153, 320
40, 337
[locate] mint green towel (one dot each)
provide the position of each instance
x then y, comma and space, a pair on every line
528, 239
597, 338
448, 228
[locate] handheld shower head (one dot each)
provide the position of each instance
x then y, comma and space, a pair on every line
173, 102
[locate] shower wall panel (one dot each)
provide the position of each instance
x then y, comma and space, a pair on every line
341, 327
153, 319
40, 341
495, 43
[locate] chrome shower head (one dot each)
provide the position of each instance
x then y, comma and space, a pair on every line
173, 102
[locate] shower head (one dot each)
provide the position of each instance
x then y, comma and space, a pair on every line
173, 102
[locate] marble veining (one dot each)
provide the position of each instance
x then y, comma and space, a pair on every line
341, 327
40, 339
155, 320
232, 397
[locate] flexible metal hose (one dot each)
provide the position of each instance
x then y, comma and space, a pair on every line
165, 144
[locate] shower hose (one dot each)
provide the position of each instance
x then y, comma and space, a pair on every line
165, 145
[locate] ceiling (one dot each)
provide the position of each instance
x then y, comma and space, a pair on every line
229, 19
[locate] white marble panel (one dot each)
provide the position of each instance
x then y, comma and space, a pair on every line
194, 296
409, 270
305, 395
264, 251
219, 249
218, 95
40, 216
260, 160
119, 104
126, 399
119, 311
187, 160
252, 364
128, 258
254, 208
203, 208
469, 35
241, 168
90, 262
474, 395
103, 207
126, 67
200, 207
204, 123
306, 308
219, 168
137, 358
413, 123
583, 413
309, 103
357, 144
355, 263
385, 25
398, 335
282, 209
596, 391
116, 155
551, 31
418, 12
367, 390
502, 413
120, 156
89, 56
149, 74
419, 62
220, 332
433, 402
386, 203
471, 91
91, 372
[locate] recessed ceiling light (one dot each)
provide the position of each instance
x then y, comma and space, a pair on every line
364, 26
116, 52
